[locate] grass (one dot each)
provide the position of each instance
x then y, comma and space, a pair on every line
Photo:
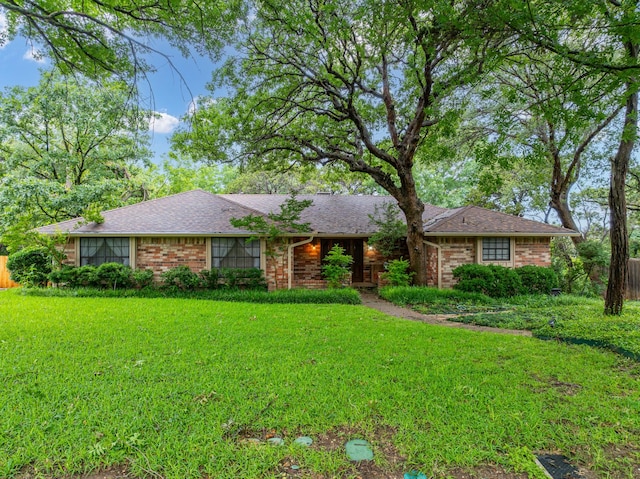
283, 296
568, 318
170, 387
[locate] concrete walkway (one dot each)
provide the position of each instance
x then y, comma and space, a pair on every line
372, 300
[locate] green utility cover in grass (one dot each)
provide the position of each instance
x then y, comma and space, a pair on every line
304, 441
359, 450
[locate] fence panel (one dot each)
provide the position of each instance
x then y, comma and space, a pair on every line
633, 280
5, 281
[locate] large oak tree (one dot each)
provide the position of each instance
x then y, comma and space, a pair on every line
365, 84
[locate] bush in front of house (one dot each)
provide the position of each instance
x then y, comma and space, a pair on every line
537, 279
30, 266
398, 273
241, 278
180, 277
336, 268
492, 280
114, 276
107, 275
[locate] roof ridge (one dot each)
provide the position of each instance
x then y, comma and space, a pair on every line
224, 198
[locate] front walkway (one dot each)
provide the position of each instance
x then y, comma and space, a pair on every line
372, 300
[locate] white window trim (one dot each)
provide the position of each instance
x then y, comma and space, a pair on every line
512, 252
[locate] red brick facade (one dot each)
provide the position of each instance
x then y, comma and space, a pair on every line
161, 254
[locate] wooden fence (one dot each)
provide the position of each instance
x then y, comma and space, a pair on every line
5, 280
633, 280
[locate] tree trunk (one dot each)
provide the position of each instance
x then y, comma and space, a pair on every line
614, 299
413, 209
560, 203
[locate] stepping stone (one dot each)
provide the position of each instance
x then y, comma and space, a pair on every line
304, 441
415, 475
276, 441
359, 450
251, 440
556, 466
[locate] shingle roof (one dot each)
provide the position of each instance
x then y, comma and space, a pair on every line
200, 213
477, 221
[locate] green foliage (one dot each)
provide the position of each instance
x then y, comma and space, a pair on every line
398, 273
110, 372
107, 275
106, 38
30, 266
537, 279
391, 230
70, 148
275, 226
113, 276
244, 278
434, 301
142, 278
493, 280
281, 296
336, 269
579, 273
180, 277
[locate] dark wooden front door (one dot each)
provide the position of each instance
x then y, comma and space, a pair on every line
354, 247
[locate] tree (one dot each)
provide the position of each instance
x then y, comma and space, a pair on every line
275, 226
68, 147
546, 115
603, 36
97, 37
362, 84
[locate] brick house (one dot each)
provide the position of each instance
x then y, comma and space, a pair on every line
194, 229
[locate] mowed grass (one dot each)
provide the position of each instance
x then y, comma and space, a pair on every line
170, 387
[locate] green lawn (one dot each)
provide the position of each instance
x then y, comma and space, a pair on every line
171, 387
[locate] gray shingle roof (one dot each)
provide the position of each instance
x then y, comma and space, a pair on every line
198, 213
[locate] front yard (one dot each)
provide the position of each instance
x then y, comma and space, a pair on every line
174, 388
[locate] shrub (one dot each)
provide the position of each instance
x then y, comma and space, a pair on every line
398, 273
181, 277
493, 280
114, 276
30, 266
336, 270
142, 278
537, 279
210, 278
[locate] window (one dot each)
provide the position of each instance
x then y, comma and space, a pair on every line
235, 253
96, 251
496, 249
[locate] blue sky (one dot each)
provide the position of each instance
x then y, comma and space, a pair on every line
165, 92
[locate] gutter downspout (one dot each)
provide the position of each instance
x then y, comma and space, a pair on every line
290, 259
437, 247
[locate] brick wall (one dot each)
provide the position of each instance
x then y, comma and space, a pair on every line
535, 251
455, 252
162, 254
69, 249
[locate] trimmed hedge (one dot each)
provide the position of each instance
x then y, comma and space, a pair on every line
492, 280
501, 282
293, 296
537, 279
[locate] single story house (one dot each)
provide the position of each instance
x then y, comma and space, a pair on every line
194, 229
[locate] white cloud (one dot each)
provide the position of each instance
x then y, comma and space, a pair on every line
163, 123
34, 55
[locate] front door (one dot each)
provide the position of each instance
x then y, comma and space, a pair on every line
354, 247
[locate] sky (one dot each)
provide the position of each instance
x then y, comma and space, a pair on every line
168, 91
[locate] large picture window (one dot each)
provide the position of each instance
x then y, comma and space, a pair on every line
96, 251
235, 253
496, 249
